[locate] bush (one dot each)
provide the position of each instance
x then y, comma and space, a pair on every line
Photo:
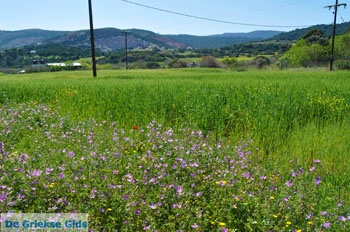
152, 65
342, 64
230, 62
209, 62
262, 61
177, 64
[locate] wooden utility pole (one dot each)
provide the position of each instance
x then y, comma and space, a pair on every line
92, 40
334, 28
126, 33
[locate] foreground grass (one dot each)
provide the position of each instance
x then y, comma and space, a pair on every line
288, 114
155, 178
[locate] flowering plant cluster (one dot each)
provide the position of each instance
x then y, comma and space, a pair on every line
156, 178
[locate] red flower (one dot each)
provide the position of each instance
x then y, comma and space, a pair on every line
136, 127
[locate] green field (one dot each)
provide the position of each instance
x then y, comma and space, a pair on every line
297, 113
287, 116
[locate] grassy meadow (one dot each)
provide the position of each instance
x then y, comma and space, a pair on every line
287, 133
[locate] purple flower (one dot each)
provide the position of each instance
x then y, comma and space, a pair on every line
194, 226
289, 183
317, 161
3, 197
70, 154
308, 216
263, 177
146, 227
36, 173
339, 204
137, 212
224, 230
323, 213
312, 169
318, 180
61, 175
326, 225
179, 190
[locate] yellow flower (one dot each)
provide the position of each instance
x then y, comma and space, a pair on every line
299, 230
275, 216
272, 198
287, 226
217, 182
212, 223
309, 223
222, 224
224, 182
109, 209
288, 223
52, 185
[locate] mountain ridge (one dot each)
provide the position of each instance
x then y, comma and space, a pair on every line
109, 38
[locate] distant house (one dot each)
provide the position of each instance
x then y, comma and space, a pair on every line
56, 64
75, 65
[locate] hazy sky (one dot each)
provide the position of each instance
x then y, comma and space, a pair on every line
73, 14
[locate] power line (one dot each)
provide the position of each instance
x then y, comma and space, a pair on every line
213, 20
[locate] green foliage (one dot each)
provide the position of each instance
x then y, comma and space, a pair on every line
297, 34
306, 55
342, 64
342, 47
176, 63
313, 32
152, 65
230, 62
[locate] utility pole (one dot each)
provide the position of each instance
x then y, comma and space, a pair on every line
126, 33
92, 40
334, 28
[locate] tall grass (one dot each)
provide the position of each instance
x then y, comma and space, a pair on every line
289, 114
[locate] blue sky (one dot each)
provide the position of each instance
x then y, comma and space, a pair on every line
73, 14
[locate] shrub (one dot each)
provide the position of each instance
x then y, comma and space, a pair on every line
230, 62
262, 61
177, 64
342, 64
209, 62
152, 65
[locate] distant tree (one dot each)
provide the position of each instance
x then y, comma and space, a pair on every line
313, 32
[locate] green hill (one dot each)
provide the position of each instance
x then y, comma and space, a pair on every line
13, 39
298, 33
